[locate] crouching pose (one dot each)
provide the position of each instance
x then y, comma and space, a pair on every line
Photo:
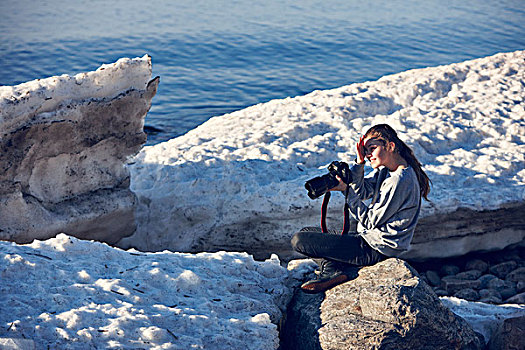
385, 225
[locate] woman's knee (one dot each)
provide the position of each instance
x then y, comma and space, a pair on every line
301, 240
296, 241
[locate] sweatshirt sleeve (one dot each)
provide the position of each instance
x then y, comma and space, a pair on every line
361, 186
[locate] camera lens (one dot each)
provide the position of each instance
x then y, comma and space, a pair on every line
318, 186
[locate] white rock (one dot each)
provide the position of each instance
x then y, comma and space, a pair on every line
64, 141
69, 293
236, 181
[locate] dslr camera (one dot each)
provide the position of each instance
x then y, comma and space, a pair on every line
318, 186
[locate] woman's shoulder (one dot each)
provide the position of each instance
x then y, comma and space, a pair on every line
403, 176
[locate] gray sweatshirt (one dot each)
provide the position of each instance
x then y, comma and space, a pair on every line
388, 222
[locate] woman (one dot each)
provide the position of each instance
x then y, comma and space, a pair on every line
385, 225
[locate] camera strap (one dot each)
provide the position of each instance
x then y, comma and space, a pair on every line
324, 209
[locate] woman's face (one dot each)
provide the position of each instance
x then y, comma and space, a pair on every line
376, 151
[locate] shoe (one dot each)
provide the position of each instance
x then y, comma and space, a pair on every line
323, 283
324, 263
319, 268
330, 274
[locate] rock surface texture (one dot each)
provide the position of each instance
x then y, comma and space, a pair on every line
494, 278
64, 142
509, 335
466, 230
386, 307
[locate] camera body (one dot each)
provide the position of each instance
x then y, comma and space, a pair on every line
318, 186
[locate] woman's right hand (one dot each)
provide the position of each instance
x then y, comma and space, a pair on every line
341, 187
360, 148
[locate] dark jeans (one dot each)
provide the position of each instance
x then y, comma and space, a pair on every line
350, 248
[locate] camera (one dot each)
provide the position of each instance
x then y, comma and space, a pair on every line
318, 186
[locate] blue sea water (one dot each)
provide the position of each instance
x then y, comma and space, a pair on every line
217, 56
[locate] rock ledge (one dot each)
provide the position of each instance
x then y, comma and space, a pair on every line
64, 142
386, 307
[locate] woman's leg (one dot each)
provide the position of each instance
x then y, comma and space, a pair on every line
337, 252
349, 249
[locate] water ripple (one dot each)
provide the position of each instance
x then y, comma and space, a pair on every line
221, 56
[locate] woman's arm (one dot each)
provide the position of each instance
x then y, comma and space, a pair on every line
363, 187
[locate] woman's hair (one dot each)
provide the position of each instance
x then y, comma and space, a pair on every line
385, 132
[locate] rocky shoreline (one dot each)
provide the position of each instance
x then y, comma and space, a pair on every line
231, 185
492, 277
364, 312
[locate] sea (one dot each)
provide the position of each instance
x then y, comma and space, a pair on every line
215, 57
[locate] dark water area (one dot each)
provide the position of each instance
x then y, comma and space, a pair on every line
215, 57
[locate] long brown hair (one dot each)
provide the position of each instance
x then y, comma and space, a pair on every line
385, 132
